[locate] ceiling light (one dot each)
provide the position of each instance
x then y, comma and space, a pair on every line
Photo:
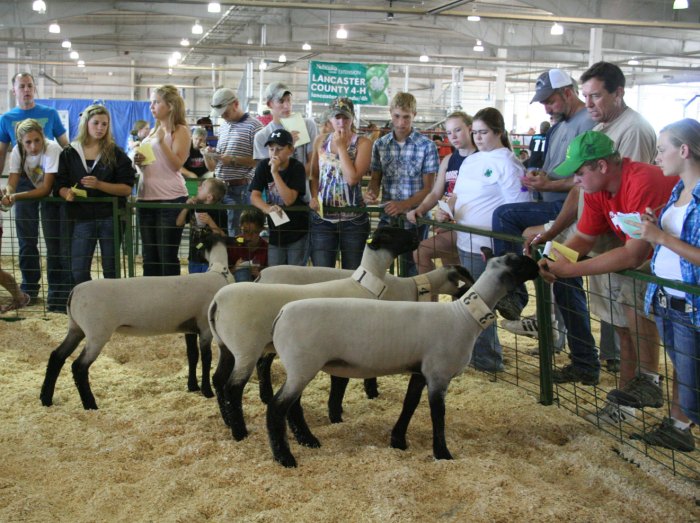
680, 4
214, 7
170, 70
424, 58
184, 42
557, 29
74, 55
66, 44
306, 46
473, 18
282, 58
172, 61
110, 73
197, 28
250, 41
81, 63
632, 61
342, 33
479, 48
177, 55
54, 28
39, 6
262, 65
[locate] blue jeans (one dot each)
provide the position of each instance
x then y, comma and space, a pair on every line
514, 218
294, 253
86, 234
235, 194
682, 342
571, 301
197, 267
55, 228
488, 353
407, 264
161, 239
348, 236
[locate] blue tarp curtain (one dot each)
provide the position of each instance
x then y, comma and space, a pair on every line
123, 114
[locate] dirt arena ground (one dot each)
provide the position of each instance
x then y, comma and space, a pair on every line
154, 452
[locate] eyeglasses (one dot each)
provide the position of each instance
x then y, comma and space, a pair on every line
481, 132
224, 104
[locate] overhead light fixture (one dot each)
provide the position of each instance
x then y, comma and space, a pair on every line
172, 61
81, 63
74, 55
214, 7
632, 61
262, 65
680, 4
342, 33
282, 58
197, 28
39, 6
170, 70
54, 28
110, 73
66, 44
557, 29
177, 55
185, 42
306, 46
479, 48
473, 18
250, 41
424, 58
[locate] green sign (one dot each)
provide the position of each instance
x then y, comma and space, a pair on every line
362, 83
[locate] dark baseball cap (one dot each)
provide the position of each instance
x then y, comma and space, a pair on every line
549, 82
280, 137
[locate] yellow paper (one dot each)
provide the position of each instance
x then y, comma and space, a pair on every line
320, 207
296, 123
80, 193
567, 252
146, 149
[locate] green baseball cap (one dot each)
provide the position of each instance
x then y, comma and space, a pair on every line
590, 145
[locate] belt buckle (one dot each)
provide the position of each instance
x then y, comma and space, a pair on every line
661, 297
688, 307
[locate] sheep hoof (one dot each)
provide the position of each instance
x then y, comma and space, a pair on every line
335, 418
207, 392
371, 389
46, 402
286, 460
443, 455
192, 387
398, 443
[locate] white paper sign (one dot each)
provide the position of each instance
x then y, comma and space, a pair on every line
445, 207
296, 123
278, 218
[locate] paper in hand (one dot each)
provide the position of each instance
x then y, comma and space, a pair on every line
146, 149
629, 223
296, 123
80, 193
567, 252
445, 207
278, 218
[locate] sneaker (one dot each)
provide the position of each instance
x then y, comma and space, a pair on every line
640, 392
611, 414
528, 327
666, 435
571, 374
612, 366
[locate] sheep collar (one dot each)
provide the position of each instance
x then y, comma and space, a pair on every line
223, 270
369, 281
423, 287
477, 309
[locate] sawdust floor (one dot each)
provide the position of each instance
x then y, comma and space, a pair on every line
154, 452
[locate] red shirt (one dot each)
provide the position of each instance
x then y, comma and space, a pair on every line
238, 250
642, 186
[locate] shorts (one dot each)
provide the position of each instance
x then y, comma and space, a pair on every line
610, 292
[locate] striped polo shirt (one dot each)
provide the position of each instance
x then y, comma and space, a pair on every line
236, 139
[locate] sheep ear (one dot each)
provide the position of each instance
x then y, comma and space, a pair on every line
487, 253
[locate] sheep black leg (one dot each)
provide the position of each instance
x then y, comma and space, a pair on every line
298, 426
53, 368
277, 430
233, 399
192, 359
436, 397
335, 398
410, 402
206, 368
81, 376
223, 370
371, 389
264, 366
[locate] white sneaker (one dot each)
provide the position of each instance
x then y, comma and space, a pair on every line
527, 326
611, 414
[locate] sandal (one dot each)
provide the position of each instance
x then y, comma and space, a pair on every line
15, 305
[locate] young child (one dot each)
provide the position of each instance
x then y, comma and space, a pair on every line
210, 192
247, 252
283, 178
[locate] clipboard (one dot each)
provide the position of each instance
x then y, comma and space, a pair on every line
296, 123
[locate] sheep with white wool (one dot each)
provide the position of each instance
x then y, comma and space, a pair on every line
424, 287
358, 338
241, 316
145, 306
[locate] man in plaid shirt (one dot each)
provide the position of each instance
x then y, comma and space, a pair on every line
404, 163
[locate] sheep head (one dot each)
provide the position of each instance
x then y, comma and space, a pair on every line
393, 239
519, 269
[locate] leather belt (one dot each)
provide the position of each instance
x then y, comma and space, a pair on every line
673, 302
237, 182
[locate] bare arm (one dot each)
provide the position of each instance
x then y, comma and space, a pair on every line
3, 154
63, 140
396, 207
314, 172
353, 171
435, 193
177, 154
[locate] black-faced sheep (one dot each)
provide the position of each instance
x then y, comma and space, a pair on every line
424, 287
358, 338
144, 306
241, 316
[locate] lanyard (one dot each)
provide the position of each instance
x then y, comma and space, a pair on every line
79, 149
